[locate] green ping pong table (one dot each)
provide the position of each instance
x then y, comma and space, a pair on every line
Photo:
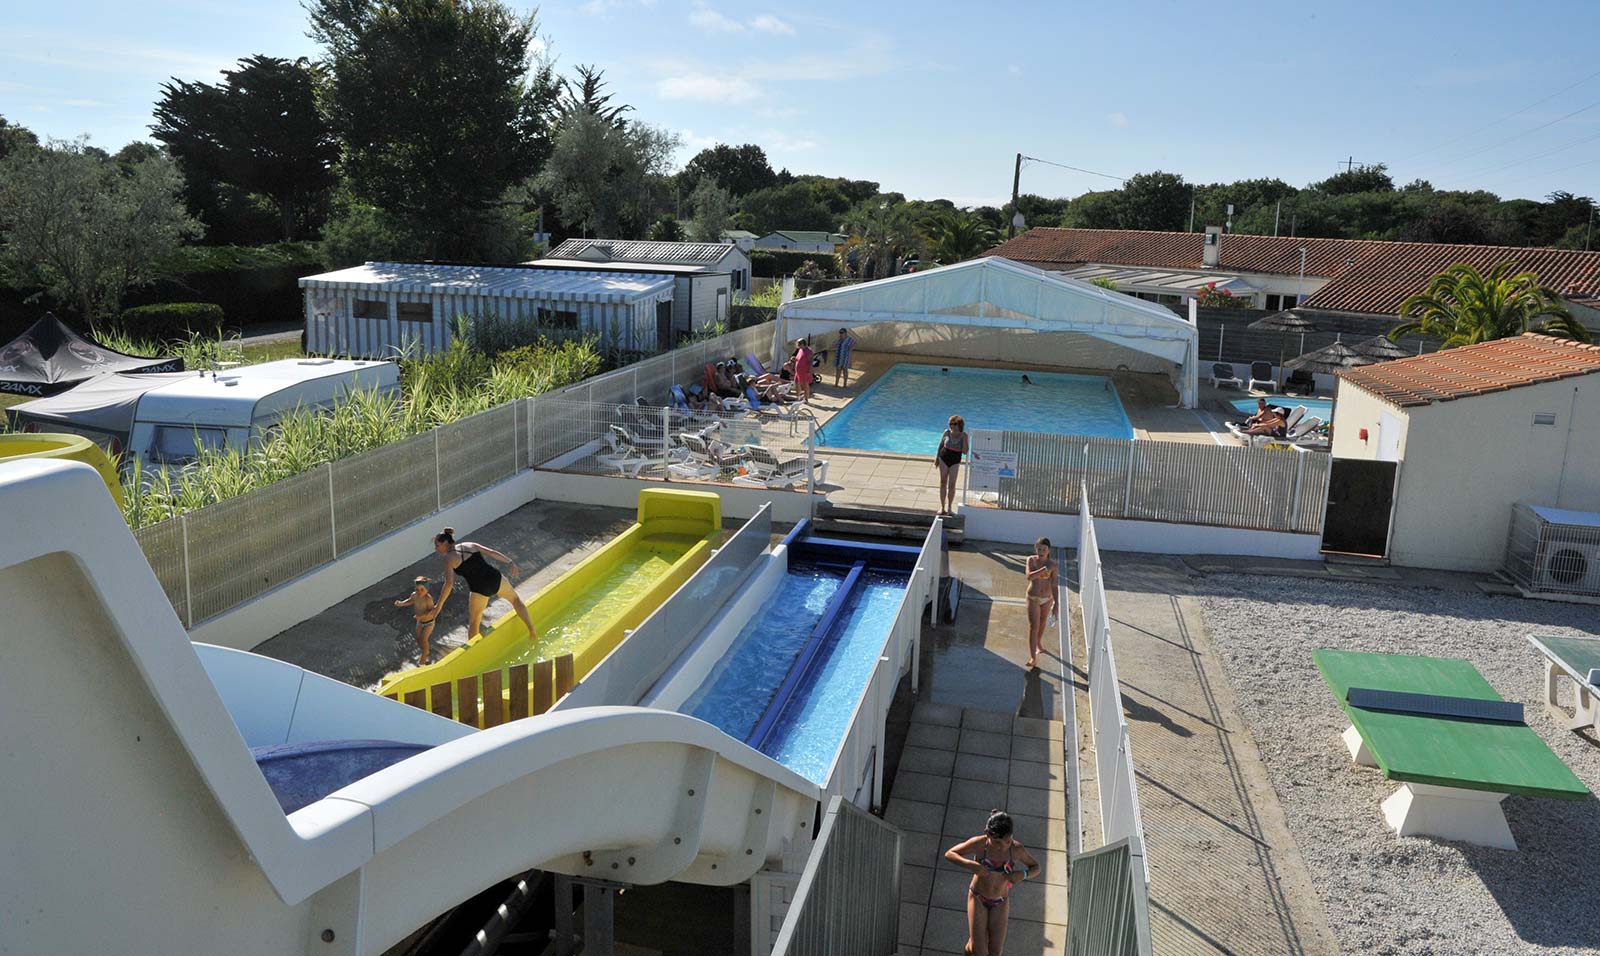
1453, 771
1575, 658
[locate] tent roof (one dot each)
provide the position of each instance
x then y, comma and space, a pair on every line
997, 293
104, 403
50, 358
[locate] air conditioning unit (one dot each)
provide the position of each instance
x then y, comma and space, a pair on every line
1554, 552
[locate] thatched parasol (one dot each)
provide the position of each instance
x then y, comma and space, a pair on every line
1285, 322
1380, 348
1331, 359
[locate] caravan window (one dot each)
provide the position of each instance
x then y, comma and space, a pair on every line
557, 319
179, 444
370, 309
416, 312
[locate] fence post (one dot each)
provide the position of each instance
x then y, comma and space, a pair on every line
188, 588
1222, 331
438, 485
811, 468
1127, 484
333, 521
1299, 469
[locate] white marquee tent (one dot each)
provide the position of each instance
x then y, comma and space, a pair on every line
1001, 294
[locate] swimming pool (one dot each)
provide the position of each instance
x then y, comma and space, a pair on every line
905, 410
1320, 407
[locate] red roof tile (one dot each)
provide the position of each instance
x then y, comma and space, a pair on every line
1475, 369
1365, 275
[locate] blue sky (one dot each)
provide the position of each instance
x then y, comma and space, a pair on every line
934, 98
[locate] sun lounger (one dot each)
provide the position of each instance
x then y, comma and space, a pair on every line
1300, 380
1577, 659
766, 469
1261, 376
705, 461
1223, 376
630, 455
1448, 738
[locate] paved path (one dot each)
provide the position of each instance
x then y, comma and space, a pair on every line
1226, 876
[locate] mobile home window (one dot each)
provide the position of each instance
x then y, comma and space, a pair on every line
180, 444
558, 319
416, 312
371, 309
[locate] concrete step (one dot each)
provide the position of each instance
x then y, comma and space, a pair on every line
909, 517
882, 529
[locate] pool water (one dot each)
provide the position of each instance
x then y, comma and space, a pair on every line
906, 409
741, 688
1320, 407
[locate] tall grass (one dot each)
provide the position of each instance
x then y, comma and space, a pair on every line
434, 391
197, 351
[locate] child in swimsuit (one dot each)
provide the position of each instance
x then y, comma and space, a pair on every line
421, 604
997, 863
1043, 596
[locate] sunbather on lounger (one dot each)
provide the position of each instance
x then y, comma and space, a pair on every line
1270, 423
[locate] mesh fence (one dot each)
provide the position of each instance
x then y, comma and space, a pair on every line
384, 490
162, 544
251, 544
477, 452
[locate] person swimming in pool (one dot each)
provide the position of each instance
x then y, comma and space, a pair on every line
997, 862
1026, 380
1043, 596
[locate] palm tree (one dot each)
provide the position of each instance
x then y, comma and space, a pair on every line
879, 236
956, 235
1462, 306
665, 229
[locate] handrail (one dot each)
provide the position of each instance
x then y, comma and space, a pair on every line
807, 656
847, 900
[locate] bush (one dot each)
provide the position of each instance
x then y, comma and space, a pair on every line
772, 263
252, 284
171, 321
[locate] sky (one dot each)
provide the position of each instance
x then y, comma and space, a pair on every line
935, 99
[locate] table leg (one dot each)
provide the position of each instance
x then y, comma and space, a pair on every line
1450, 813
1585, 709
1357, 747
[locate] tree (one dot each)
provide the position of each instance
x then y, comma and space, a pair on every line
740, 170
1036, 210
1360, 179
794, 206
881, 235
712, 207
1155, 200
586, 96
1462, 306
955, 236
440, 107
1100, 209
258, 131
600, 175
1448, 219
84, 229
665, 229
14, 137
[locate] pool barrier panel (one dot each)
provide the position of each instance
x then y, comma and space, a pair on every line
848, 898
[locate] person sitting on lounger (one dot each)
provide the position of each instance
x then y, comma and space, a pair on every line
1270, 423
726, 384
770, 393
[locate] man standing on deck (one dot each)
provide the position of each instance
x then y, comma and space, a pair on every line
842, 349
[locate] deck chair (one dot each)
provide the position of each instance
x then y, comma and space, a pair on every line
1305, 433
706, 460
630, 456
1223, 376
1261, 374
765, 469
1301, 381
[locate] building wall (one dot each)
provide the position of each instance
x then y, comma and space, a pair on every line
704, 299
1466, 462
1356, 408
779, 242
1067, 349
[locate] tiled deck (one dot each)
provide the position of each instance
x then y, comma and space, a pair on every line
957, 766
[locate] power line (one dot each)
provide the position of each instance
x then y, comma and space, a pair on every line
1519, 135
1481, 127
1076, 169
1526, 159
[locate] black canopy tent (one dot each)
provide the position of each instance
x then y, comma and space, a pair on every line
50, 358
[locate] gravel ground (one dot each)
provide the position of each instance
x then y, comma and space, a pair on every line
1384, 894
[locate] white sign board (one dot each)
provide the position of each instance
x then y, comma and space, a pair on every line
987, 464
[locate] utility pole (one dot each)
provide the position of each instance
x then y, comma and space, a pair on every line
1349, 164
1589, 232
1277, 215
1191, 214
1016, 183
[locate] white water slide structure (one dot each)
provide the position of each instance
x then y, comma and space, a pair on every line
137, 820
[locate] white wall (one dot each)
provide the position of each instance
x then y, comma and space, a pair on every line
1069, 349
1149, 537
1356, 408
1465, 463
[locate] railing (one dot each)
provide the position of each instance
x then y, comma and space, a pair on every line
652, 378
216, 558
1108, 908
1262, 489
1113, 758
860, 754
848, 900
498, 696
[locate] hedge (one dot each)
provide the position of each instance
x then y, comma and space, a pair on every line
252, 284
772, 263
169, 321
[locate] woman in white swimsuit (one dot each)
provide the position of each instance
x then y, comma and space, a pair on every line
1043, 596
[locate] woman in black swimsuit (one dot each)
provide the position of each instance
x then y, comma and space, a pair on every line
952, 445
484, 583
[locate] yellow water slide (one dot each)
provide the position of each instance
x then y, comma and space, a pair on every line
64, 446
585, 611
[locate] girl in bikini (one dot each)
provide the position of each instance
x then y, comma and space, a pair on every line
1043, 596
997, 863
952, 445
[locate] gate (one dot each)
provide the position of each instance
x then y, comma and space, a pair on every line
1360, 503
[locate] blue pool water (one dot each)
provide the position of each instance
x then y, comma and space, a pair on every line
744, 683
906, 409
1320, 407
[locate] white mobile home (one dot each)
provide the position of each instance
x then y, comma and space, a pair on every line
706, 274
382, 309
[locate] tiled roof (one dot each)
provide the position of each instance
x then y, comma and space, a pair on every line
1475, 369
1365, 275
640, 250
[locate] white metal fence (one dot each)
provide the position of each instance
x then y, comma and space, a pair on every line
1262, 489
858, 763
848, 900
1113, 758
652, 378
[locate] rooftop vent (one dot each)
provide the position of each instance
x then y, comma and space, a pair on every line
1212, 255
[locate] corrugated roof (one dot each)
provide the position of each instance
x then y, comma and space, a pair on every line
641, 250
506, 281
807, 235
1475, 369
666, 268
1365, 275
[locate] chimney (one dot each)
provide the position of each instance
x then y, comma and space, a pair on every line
1213, 249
